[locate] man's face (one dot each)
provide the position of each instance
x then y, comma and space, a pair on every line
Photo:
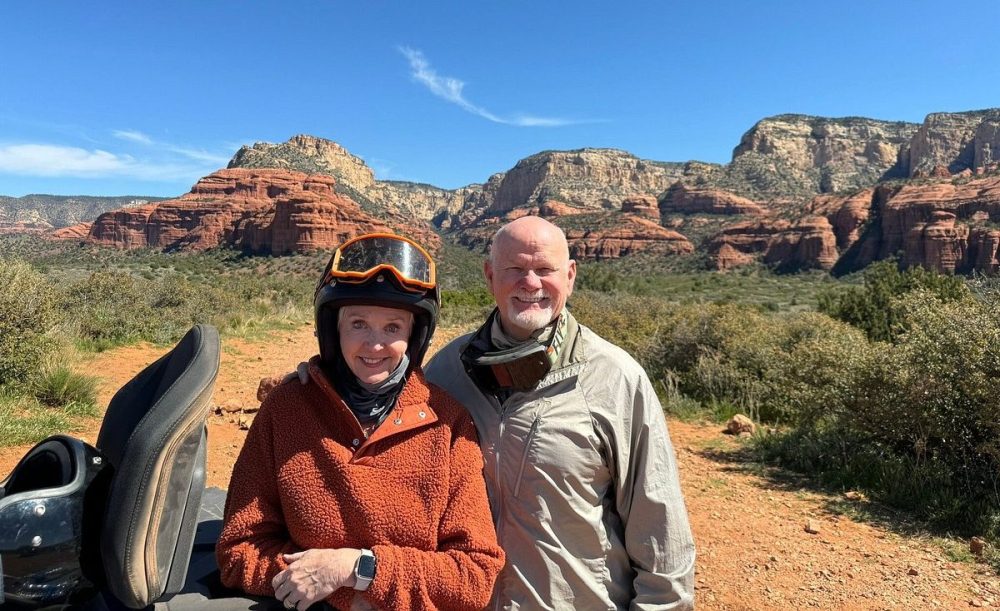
530, 276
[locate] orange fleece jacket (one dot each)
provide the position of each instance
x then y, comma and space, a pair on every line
413, 493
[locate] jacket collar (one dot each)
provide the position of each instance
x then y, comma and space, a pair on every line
412, 409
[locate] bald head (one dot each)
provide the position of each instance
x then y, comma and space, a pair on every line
530, 274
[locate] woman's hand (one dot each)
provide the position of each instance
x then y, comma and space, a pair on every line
313, 575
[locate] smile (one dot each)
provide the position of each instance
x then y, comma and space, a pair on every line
371, 362
529, 300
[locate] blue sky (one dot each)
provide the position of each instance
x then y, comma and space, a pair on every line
143, 98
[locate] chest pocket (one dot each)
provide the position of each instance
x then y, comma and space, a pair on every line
562, 451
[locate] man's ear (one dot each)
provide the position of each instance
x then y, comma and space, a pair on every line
571, 274
488, 274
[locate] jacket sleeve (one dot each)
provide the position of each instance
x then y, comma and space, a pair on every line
253, 533
460, 575
649, 501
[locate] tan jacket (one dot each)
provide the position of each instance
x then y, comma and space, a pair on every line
583, 483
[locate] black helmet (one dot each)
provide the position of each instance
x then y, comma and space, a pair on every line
378, 269
51, 509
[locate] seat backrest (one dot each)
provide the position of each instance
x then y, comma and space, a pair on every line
154, 435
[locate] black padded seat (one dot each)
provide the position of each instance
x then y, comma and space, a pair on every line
154, 435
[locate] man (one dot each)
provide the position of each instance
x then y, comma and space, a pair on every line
579, 467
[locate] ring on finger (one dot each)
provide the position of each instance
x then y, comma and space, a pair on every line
288, 604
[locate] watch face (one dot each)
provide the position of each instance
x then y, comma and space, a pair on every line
366, 566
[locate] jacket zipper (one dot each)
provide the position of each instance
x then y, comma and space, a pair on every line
524, 455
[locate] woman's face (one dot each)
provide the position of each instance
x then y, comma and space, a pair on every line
373, 340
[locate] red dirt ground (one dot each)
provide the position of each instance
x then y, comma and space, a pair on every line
749, 523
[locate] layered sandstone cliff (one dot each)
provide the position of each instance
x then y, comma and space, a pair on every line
805, 244
598, 179
948, 225
955, 142
265, 210
800, 192
799, 155
354, 178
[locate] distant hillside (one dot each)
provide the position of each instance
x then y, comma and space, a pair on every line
800, 192
47, 212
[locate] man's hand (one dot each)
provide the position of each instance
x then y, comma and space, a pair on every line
313, 575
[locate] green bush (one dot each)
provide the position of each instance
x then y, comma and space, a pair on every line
872, 307
933, 395
110, 308
465, 307
27, 316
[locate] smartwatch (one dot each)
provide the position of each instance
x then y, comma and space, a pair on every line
364, 570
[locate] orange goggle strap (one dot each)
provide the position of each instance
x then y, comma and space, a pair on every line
365, 256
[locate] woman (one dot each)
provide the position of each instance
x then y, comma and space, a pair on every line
364, 487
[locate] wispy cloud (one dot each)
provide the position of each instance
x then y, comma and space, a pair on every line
132, 136
136, 136
50, 160
450, 89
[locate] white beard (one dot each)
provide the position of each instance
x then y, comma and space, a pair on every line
532, 320
529, 320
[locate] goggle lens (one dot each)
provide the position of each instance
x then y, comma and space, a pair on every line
360, 259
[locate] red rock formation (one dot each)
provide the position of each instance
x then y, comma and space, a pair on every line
125, 228
808, 243
642, 205
908, 211
942, 242
25, 228
847, 214
982, 249
550, 208
263, 210
727, 257
685, 199
634, 234
73, 232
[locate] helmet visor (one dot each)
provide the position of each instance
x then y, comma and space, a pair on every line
361, 258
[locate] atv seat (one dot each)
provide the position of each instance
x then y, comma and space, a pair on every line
154, 436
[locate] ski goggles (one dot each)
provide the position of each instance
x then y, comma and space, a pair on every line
362, 258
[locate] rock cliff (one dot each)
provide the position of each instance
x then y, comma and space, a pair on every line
262, 210
799, 155
44, 213
800, 192
946, 225
954, 142
354, 178
596, 179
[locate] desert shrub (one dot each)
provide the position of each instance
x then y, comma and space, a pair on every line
816, 370
934, 393
790, 367
871, 307
27, 315
465, 307
117, 308
63, 388
913, 422
110, 308
634, 323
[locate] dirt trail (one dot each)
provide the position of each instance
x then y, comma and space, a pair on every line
749, 523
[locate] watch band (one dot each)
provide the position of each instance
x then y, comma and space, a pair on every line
364, 570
